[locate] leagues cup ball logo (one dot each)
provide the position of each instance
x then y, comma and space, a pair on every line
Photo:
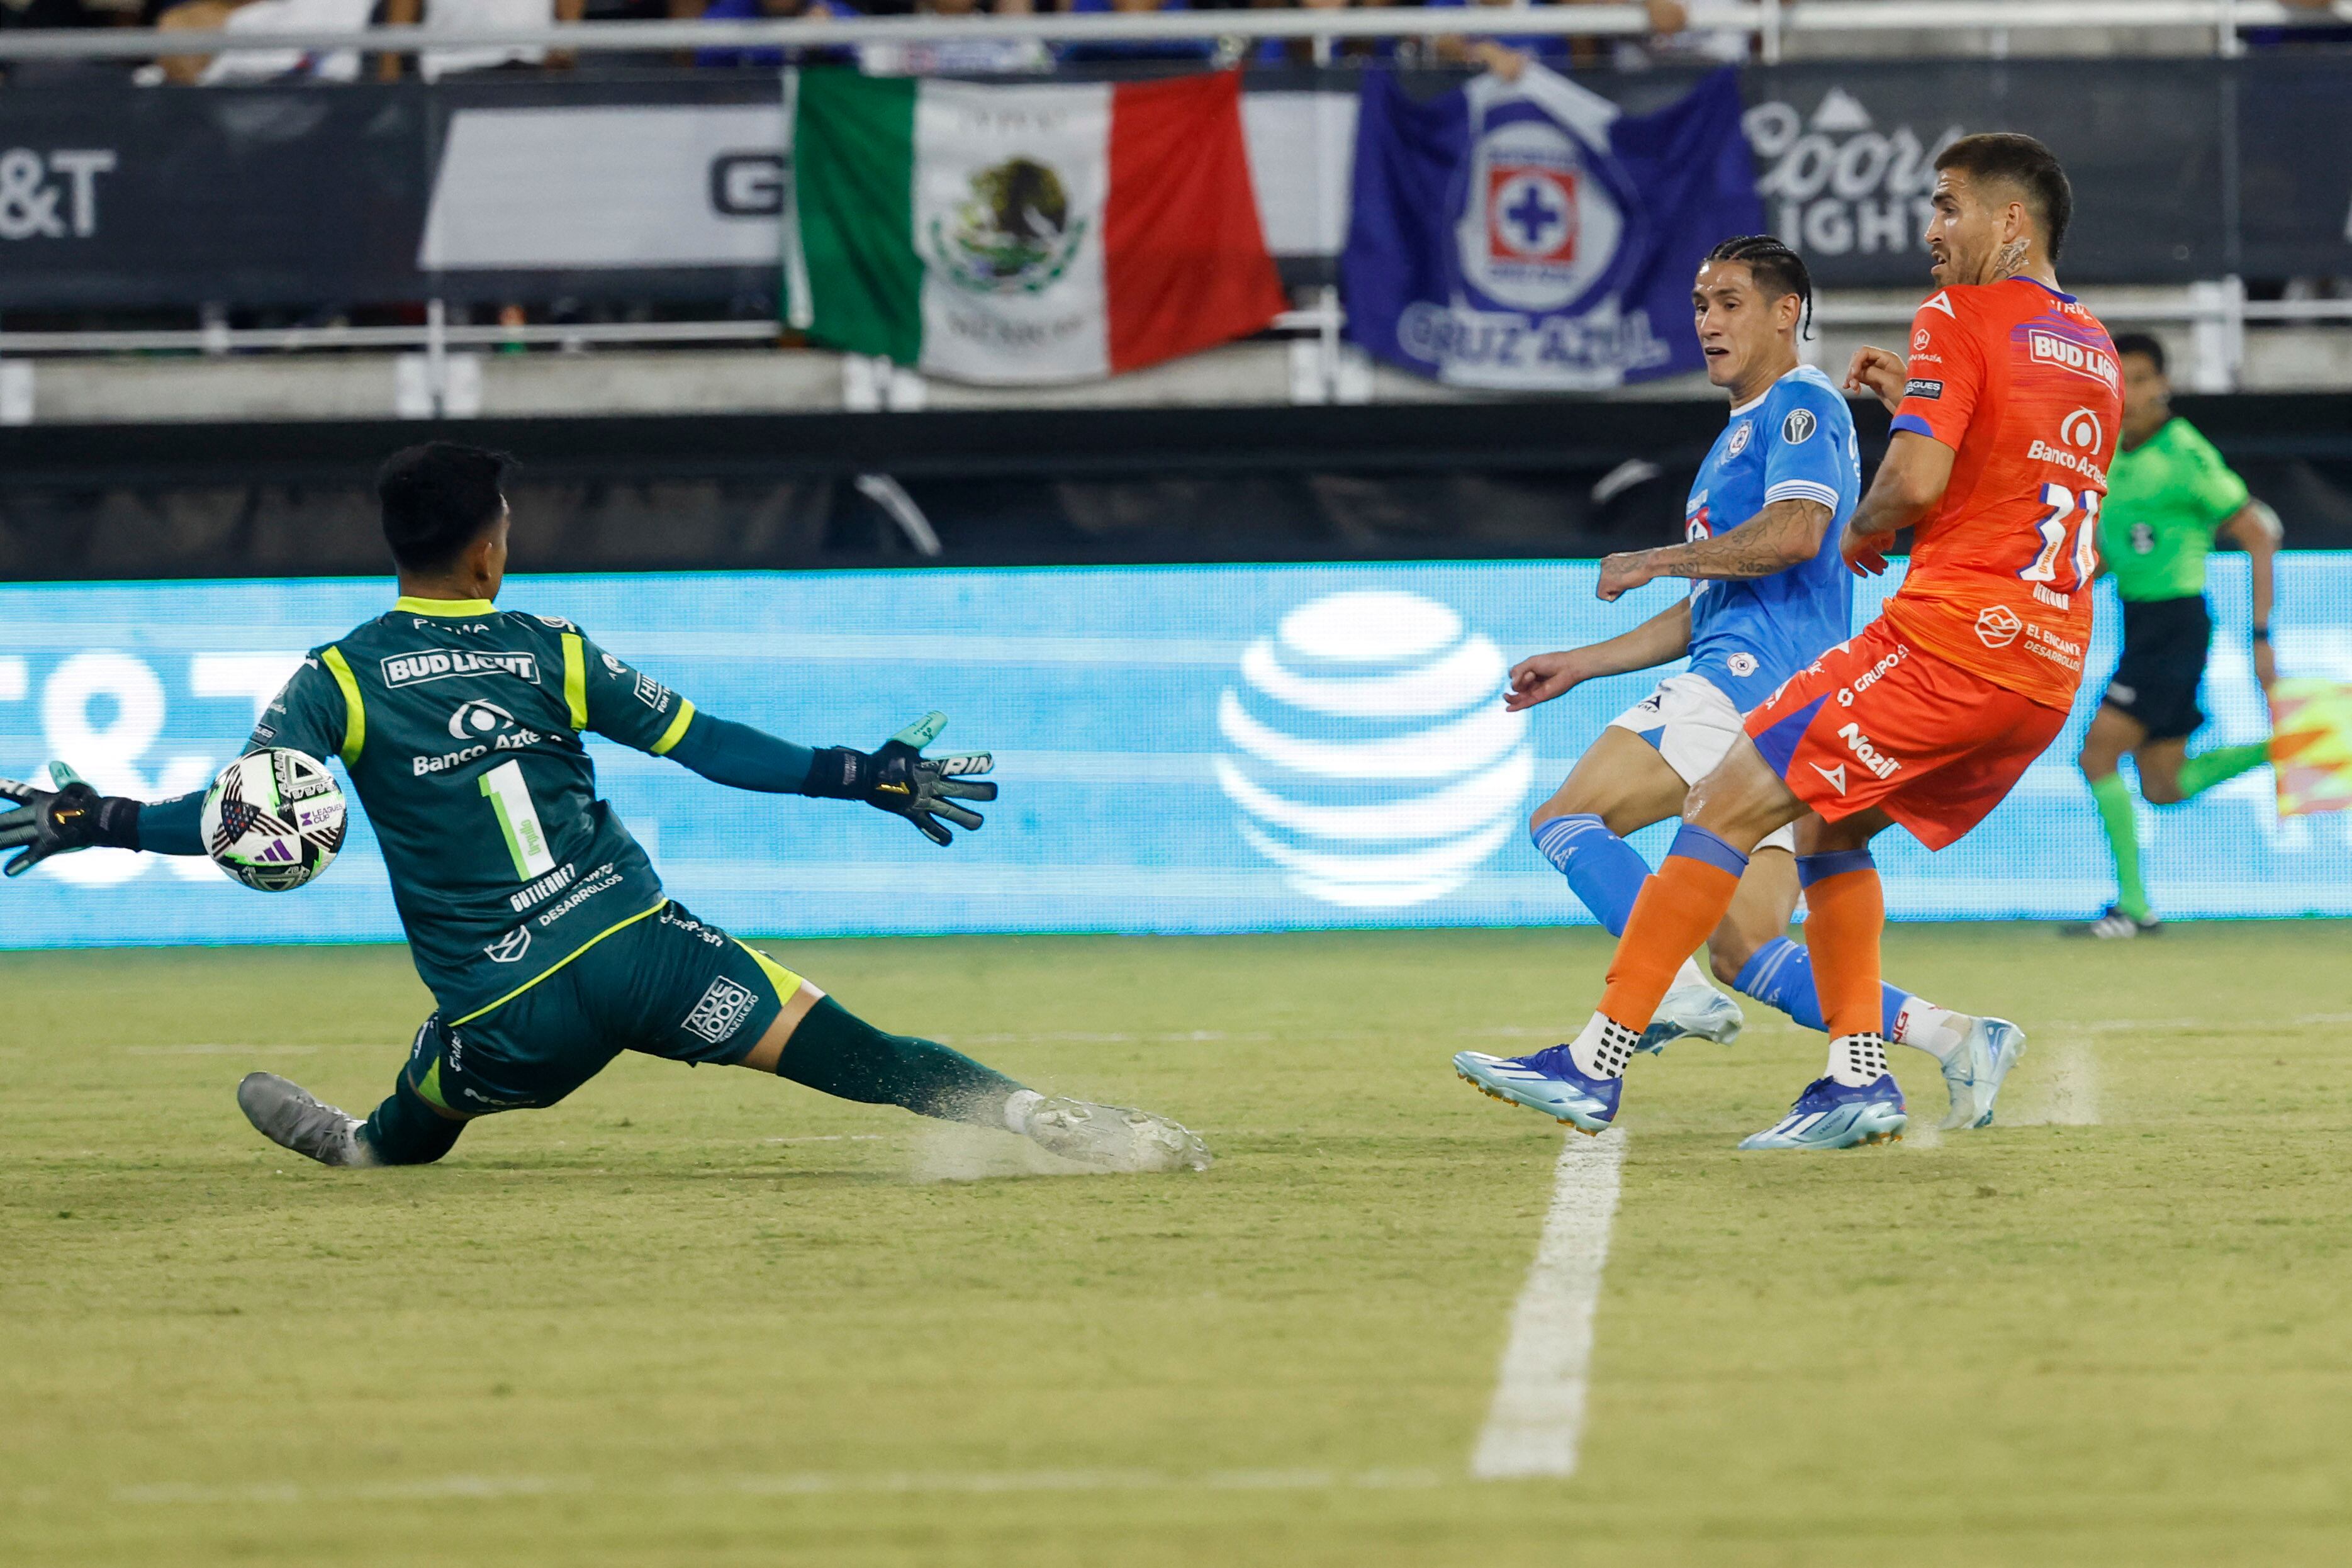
1371, 757
1541, 227
1014, 234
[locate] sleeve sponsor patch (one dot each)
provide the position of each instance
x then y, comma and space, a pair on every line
1799, 426
1930, 390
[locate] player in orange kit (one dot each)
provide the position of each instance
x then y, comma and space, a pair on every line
2005, 421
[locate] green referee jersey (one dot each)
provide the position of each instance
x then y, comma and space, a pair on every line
460, 725
2166, 498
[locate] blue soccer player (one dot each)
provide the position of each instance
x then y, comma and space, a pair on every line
1762, 524
533, 917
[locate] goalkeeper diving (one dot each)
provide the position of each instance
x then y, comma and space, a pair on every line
533, 917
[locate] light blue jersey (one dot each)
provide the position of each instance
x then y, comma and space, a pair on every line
1794, 443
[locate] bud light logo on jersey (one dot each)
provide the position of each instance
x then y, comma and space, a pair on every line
440, 664
2049, 348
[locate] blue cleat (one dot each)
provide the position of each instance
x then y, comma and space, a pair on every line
1693, 1011
1831, 1115
1974, 1073
1548, 1081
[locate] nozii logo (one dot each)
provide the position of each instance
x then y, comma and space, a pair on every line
440, 664
1998, 625
2049, 348
1370, 759
1870, 757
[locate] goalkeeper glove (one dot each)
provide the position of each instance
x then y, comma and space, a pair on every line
57, 821
900, 779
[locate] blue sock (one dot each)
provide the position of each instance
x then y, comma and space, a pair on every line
1604, 871
1781, 975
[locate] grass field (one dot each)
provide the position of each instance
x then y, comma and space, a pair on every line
707, 1318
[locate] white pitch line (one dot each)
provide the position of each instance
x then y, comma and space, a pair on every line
801, 1483
1537, 1416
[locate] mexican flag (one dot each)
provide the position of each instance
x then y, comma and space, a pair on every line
1022, 234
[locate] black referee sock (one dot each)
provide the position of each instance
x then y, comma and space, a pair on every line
835, 1052
405, 1130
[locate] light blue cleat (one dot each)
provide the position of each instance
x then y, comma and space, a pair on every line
1548, 1081
1831, 1115
1693, 1011
1974, 1073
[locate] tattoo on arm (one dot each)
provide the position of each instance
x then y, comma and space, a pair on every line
1779, 536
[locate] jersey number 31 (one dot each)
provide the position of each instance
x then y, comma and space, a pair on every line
2083, 513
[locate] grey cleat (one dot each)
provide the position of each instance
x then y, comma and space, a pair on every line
1113, 1137
1975, 1073
286, 1113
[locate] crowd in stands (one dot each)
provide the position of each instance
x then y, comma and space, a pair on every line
1670, 39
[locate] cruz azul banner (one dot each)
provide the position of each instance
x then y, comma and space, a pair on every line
1529, 236
1020, 234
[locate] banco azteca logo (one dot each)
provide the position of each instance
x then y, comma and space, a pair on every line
1370, 757
2082, 429
1014, 234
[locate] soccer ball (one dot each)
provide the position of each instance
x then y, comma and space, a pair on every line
273, 819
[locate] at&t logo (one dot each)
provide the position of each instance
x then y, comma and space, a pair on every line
1372, 759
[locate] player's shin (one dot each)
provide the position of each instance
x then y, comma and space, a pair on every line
2121, 825
1676, 909
406, 1130
1780, 974
1606, 875
835, 1052
1848, 911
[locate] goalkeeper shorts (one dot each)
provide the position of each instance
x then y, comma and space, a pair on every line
670, 985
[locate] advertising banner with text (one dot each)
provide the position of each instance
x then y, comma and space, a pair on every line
674, 187
1181, 749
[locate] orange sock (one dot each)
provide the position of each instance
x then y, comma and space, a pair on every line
1677, 910
1846, 912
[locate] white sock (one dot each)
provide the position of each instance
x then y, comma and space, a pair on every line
1017, 1106
1939, 1031
1858, 1059
1603, 1047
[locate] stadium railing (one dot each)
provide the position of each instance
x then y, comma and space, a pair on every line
1770, 21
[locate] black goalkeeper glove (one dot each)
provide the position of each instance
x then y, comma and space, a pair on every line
900, 779
59, 821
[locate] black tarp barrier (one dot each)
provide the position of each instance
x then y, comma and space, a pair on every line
1042, 487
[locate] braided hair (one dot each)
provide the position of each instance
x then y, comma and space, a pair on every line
1779, 271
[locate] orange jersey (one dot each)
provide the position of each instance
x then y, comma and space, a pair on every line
2021, 383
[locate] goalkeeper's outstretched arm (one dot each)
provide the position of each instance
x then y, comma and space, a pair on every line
896, 776
70, 815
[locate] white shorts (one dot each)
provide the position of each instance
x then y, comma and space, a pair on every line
1692, 723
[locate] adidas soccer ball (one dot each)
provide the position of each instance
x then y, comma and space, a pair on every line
274, 819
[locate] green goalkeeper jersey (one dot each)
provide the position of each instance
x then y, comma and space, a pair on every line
2166, 498
460, 725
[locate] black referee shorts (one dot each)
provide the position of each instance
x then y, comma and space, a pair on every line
2164, 642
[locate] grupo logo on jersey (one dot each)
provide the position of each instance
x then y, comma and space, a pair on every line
1372, 759
1835, 184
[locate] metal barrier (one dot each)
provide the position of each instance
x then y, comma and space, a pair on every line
1769, 21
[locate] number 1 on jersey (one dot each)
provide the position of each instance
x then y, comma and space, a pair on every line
2086, 563
510, 797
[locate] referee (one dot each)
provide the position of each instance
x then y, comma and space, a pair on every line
2169, 495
